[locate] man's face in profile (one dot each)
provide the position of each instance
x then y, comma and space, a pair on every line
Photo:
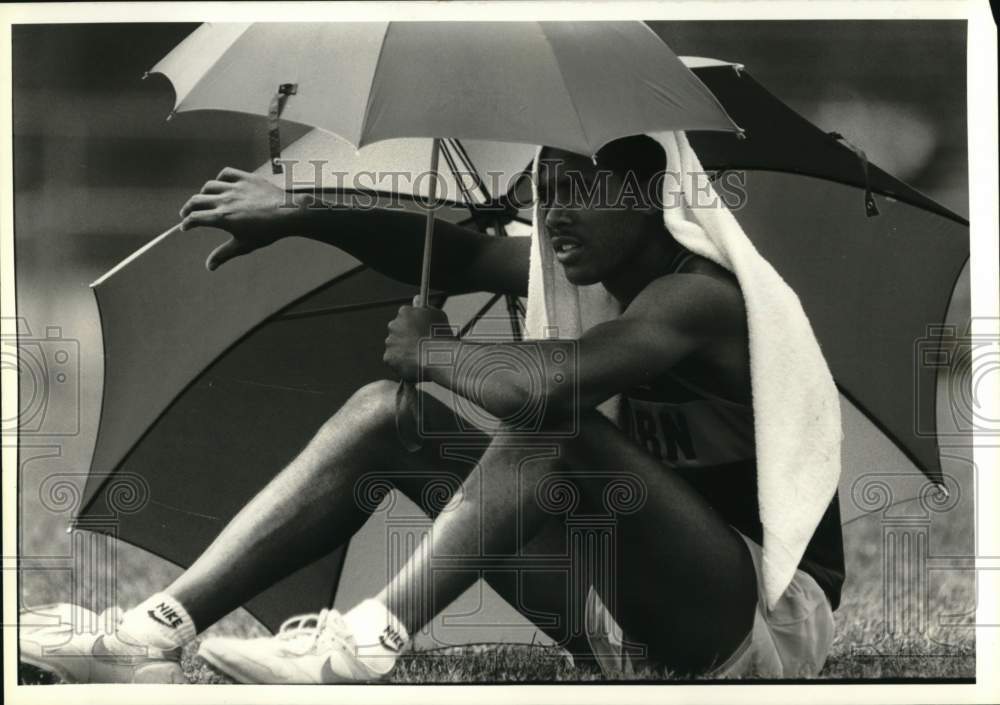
593, 222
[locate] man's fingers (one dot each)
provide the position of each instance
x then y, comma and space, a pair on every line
225, 252
197, 219
231, 175
199, 202
216, 187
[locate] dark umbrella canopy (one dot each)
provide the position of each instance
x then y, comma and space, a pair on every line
783, 140
213, 381
872, 286
876, 291
188, 454
876, 287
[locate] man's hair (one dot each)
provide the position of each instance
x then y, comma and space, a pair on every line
639, 154
638, 159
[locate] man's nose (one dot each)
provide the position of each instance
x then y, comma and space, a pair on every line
556, 218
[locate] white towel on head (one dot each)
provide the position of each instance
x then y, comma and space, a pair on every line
797, 423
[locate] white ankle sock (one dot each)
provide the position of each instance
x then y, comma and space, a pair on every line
378, 634
160, 621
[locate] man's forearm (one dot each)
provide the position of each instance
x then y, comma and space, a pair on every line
506, 379
392, 241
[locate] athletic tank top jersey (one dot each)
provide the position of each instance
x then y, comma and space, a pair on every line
710, 442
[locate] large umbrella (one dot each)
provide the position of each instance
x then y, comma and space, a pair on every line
199, 367
573, 85
872, 285
873, 260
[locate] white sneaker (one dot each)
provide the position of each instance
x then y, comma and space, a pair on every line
69, 641
308, 649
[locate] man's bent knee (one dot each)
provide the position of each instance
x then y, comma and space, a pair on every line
371, 409
375, 400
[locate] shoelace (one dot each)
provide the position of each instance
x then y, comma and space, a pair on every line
324, 629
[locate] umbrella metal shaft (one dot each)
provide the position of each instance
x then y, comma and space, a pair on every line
407, 423
425, 274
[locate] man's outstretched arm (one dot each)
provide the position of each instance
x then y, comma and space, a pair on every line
257, 213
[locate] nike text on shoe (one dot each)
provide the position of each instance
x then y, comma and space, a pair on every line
165, 615
73, 643
308, 649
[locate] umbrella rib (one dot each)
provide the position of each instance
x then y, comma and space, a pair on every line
467, 161
462, 187
478, 315
371, 84
569, 94
326, 310
893, 438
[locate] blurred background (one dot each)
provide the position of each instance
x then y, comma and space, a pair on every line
98, 172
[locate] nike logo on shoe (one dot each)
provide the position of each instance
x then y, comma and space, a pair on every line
167, 616
391, 639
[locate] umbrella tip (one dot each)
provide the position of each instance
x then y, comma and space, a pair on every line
741, 134
171, 115
145, 75
942, 490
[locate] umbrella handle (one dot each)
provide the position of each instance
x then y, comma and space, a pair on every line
407, 413
407, 418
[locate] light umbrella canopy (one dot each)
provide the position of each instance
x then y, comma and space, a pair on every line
484, 173
573, 85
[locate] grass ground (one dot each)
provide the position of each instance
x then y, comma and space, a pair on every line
863, 648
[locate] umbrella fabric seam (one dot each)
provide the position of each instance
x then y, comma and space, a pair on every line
371, 85
569, 94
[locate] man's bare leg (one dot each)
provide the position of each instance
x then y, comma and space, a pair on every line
311, 508
686, 586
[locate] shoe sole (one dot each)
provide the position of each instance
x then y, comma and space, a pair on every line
233, 672
225, 668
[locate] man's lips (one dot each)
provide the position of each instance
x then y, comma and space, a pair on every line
566, 247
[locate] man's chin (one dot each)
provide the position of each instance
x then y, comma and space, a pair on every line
581, 277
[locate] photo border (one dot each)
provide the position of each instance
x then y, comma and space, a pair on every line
984, 256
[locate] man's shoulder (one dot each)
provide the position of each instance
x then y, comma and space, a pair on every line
703, 295
696, 264
700, 281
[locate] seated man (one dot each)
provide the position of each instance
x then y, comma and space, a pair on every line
684, 569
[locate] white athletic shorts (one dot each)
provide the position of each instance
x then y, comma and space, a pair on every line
790, 641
